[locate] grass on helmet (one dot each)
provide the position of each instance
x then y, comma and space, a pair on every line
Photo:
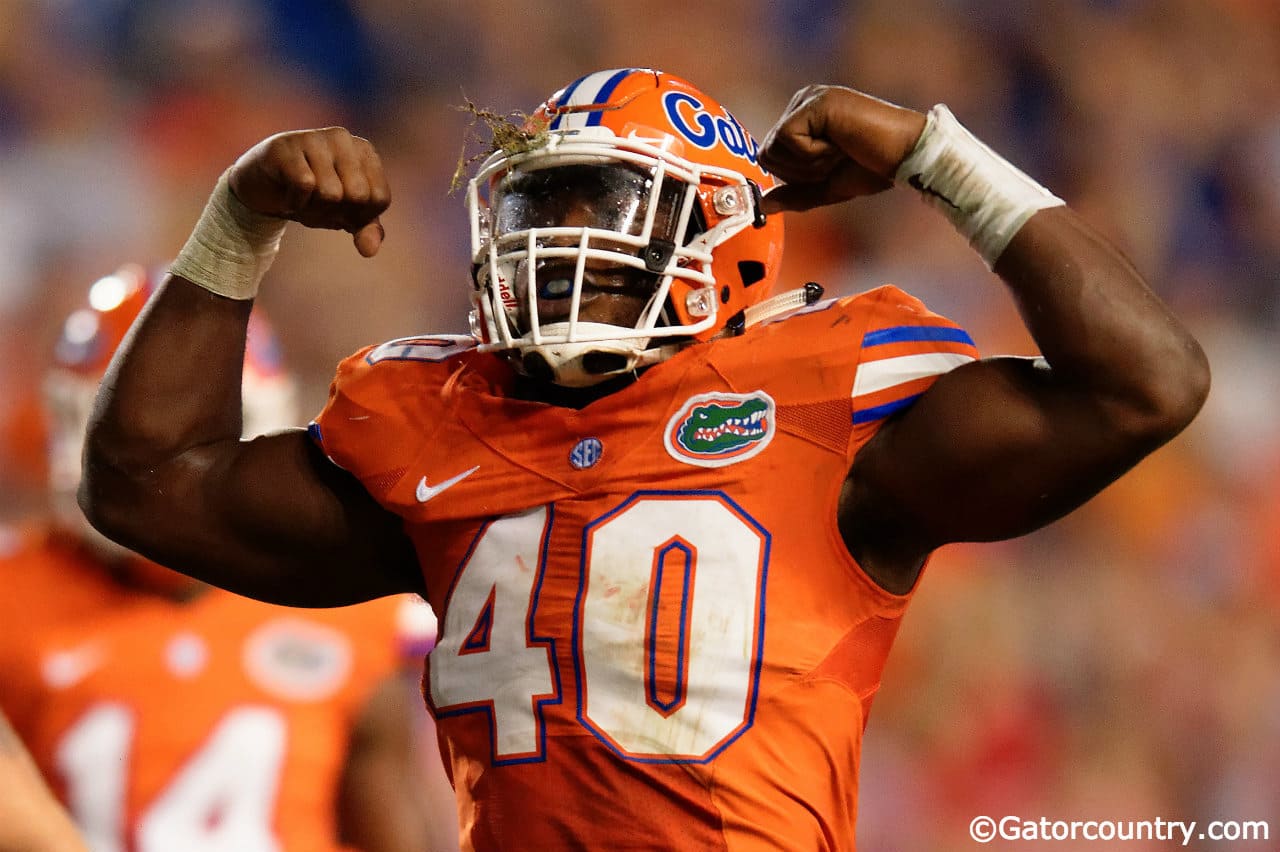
513, 133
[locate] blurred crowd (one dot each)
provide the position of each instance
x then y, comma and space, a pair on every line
1121, 664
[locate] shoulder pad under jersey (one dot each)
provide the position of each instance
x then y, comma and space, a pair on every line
383, 402
884, 346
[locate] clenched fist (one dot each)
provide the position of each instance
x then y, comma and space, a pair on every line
833, 144
324, 178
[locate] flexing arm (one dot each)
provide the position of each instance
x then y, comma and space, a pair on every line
997, 448
165, 471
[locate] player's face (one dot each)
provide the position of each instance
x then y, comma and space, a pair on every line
610, 293
610, 198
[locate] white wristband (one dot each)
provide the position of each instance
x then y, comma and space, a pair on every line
984, 196
231, 248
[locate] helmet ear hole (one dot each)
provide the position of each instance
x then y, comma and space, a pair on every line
751, 271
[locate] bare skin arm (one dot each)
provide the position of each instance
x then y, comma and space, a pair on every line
1001, 447
389, 801
31, 820
165, 471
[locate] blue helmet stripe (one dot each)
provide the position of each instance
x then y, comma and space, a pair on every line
564, 100
605, 91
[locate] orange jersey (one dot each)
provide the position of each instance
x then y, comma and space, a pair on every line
49, 580
218, 723
652, 635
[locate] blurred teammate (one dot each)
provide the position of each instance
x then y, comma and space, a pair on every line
31, 820
172, 716
670, 522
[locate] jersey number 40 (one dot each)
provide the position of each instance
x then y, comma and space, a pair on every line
667, 629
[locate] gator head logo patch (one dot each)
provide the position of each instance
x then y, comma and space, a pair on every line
716, 429
296, 659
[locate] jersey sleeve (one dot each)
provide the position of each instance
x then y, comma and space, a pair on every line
375, 422
903, 349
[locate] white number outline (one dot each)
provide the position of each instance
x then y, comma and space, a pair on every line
436, 348
757, 660
102, 734
533, 641
755, 665
100, 803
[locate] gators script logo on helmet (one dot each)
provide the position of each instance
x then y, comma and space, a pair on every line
667, 183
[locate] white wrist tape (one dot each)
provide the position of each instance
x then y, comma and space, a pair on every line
984, 196
231, 248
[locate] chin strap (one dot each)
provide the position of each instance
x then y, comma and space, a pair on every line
649, 357
771, 308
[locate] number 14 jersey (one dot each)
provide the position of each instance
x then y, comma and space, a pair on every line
652, 635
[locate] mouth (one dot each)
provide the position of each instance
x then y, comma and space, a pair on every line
555, 289
555, 294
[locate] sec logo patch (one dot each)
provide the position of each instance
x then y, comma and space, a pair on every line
586, 453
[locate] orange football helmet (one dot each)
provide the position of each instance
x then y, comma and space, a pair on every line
628, 169
81, 355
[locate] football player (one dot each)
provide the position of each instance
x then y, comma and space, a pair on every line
670, 520
169, 715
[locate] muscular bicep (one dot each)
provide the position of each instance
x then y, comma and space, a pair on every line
994, 449
270, 518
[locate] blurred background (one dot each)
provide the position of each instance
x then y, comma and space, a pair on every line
1122, 664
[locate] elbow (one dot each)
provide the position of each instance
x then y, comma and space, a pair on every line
1187, 388
103, 499
113, 495
1172, 395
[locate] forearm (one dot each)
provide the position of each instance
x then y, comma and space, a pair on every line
30, 819
168, 407
1104, 333
165, 472
174, 384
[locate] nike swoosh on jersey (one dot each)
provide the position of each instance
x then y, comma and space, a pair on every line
425, 492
